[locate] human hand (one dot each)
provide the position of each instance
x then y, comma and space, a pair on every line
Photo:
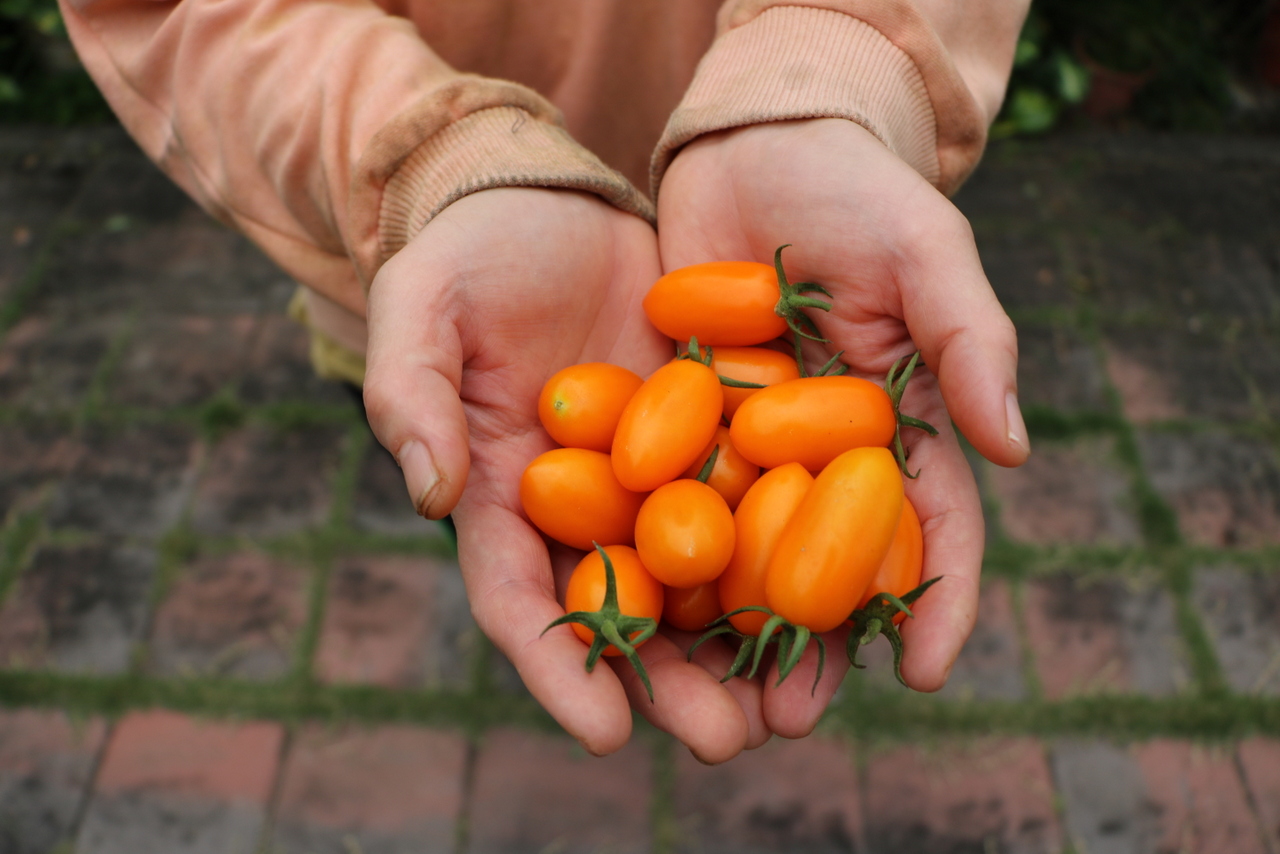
466, 323
901, 263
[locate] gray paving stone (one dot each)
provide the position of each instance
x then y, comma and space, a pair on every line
1059, 369
47, 365
181, 360
1104, 798
278, 367
1241, 612
381, 502
36, 456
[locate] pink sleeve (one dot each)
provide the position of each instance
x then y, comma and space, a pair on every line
325, 130
925, 76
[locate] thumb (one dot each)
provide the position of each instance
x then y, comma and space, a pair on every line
413, 376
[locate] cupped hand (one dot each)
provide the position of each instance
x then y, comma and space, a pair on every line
466, 323
903, 268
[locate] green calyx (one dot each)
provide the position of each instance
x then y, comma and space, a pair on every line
705, 473
895, 384
791, 301
791, 640
694, 353
611, 626
877, 619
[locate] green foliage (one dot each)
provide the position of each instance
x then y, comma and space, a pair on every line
40, 79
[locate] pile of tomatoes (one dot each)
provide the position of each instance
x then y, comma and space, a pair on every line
729, 492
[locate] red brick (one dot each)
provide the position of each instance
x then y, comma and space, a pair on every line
236, 614
787, 796
1260, 763
991, 795
34, 459
395, 788
1146, 393
48, 367
181, 360
538, 792
395, 621
1199, 798
46, 762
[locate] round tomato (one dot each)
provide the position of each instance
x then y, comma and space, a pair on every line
812, 421
758, 523
753, 365
721, 302
836, 540
732, 475
666, 424
899, 572
684, 533
639, 593
572, 495
690, 609
580, 405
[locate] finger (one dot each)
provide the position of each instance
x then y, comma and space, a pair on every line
963, 333
716, 657
794, 708
412, 379
946, 497
509, 583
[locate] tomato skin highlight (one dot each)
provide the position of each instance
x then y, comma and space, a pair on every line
836, 540
758, 523
732, 475
754, 365
900, 571
720, 303
580, 405
572, 495
690, 609
684, 533
812, 421
639, 593
666, 424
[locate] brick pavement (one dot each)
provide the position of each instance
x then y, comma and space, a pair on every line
222, 628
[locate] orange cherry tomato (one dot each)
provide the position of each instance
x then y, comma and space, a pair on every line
639, 593
836, 540
750, 364
732, 475
666, 424
812, 421
572, 495
758, 523
580, 405
684, 533
721, 302
690, 609
899, 573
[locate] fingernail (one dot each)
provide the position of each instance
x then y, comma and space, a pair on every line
420, 475
1013, 420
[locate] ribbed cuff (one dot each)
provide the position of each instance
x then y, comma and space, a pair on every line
495, 147
795, 62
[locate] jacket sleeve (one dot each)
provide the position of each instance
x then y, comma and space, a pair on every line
924, 76
326, 131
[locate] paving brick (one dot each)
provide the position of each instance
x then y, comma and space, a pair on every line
787, 796
236, 615
538, 792
47, 364
1058, 368
1093, 636
991, 795
1167, 372
36, 457
1241, 612
181, 360
46, 762
133, 481
1259, 763
396, 621
1105, 805
1066, 493
78, 609
382, 502
390, 790
1224, 488
278, 367
170, 784
265, 482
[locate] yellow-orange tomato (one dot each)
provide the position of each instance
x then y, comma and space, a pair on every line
721, 302
732, 475
580, 405
836, 540
758, 523
690, 609
572, 495
666, 424
684, 533
754, 365
639, 593
812, 421
899, 572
